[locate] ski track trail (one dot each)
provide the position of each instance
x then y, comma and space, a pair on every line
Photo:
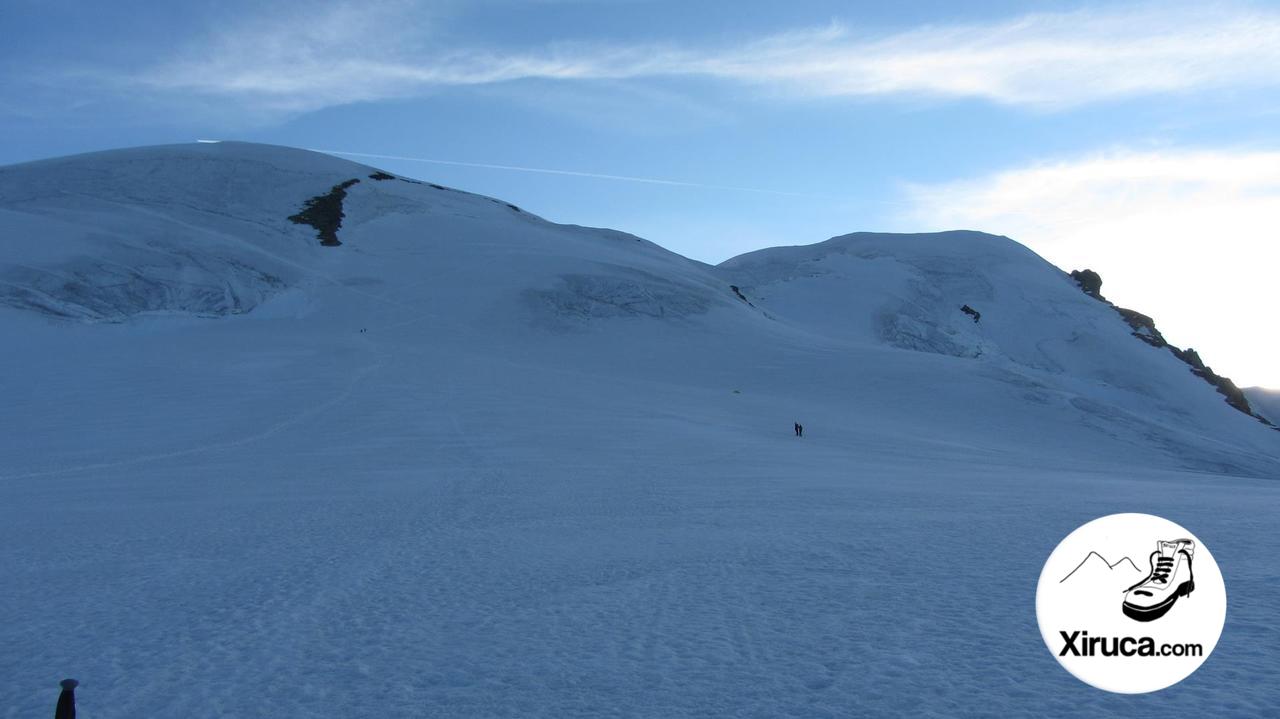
320, 609
272, 430
380, 355
341, 603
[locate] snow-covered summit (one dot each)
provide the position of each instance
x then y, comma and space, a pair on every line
219, 228
223, 229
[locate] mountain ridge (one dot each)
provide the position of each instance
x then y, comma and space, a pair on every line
220, 230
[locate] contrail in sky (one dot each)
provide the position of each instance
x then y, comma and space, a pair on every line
571, 173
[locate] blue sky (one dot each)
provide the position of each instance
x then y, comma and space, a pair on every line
1136, 139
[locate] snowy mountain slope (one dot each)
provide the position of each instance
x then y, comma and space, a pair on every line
1038, 334
205, 229
476, 462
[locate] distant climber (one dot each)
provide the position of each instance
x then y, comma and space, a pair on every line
799, 429
976, 315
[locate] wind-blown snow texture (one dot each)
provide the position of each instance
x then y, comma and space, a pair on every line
474, 463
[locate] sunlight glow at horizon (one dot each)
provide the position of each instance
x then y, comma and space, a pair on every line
1167, 231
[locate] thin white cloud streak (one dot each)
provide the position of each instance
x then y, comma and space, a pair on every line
348, 52
571, 173
1189, 237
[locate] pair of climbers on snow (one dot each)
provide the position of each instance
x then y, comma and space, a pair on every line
799, 429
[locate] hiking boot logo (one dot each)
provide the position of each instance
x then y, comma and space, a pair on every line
1171, 577
1122, 617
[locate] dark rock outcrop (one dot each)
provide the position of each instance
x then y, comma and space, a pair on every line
1144, 328
324, 212
738, 291
1235, 396
1090, 282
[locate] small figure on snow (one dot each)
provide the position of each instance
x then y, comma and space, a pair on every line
66, 708
799, 429
972, 313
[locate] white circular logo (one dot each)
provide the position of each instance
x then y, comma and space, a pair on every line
1131, 603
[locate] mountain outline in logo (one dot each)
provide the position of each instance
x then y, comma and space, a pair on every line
1109, 565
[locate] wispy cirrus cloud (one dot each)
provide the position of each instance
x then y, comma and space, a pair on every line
1189, 236
346, 52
